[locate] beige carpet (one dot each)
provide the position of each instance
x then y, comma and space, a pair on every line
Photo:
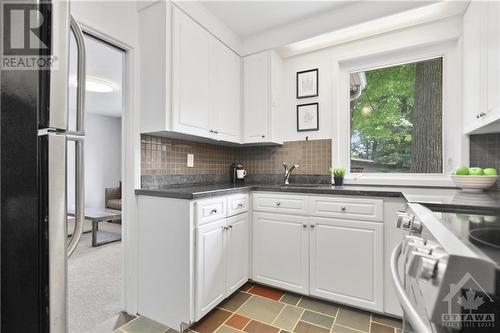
95, 281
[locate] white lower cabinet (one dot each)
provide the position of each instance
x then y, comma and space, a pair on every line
346, 261
238, 252
210, 266
281, 251
221, 261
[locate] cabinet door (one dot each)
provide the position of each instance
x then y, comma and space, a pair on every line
191, 77
237, 251
492, 36
256, 98
347, 261
281, 251
226, 85
472, 81
210, 267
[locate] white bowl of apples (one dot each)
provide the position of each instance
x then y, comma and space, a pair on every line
474, 179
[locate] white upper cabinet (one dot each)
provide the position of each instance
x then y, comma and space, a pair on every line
155, 33
226, 92
481, 68
190, 77
262, 79
190, 81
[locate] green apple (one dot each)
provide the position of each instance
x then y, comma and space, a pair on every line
476, 171
461, 171
490, 171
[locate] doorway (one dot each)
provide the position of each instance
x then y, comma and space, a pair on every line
95, 270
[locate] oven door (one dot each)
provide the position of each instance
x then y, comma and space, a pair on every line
415, 319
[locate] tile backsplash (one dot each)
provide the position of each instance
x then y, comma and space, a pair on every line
168, 157
485, 151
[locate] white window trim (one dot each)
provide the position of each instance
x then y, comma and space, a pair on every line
455, 144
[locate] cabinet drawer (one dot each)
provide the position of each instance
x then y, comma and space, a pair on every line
210, 210
280, 203
347, 207
237, 203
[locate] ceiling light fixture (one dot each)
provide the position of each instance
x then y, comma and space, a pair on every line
98, 85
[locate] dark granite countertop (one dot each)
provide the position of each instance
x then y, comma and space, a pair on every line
437, 197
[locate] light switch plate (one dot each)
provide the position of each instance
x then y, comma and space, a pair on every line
190, 160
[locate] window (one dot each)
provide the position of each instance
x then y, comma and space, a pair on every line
396, 118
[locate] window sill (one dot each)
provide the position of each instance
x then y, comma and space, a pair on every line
399, 180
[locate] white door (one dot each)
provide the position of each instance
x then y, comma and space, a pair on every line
191, 77
226, 85
256, 98
347, 261
210, 266
281, 251
237, 252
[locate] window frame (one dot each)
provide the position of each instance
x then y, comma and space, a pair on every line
454, 142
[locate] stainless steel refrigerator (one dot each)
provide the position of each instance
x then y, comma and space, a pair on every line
34, 137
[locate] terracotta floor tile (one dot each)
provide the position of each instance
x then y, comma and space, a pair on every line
379, 328
303, 327
247, 286
237, 321
211, 321
256, 327
267, 292
233, 302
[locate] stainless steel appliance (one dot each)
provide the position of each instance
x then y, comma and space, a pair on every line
34, 140
446, 271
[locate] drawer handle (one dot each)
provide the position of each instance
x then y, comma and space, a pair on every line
312, 226
240, 205
278, 203
343, 209
230, 226
213, 211
304, 226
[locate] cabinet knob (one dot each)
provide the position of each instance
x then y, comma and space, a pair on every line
230, 226
240, 205
278, 203
343, 209
482, 114
216, 132
312, 226
304, 226
213, 211
263, 136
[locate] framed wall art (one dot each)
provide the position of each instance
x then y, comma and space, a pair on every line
307, 83
308, 117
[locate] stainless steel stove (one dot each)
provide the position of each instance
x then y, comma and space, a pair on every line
446, 271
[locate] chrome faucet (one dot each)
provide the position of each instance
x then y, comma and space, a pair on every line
288, 172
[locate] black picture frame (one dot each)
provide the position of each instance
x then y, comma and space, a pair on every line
316, 93
317, 117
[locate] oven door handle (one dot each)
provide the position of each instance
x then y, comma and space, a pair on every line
410, 313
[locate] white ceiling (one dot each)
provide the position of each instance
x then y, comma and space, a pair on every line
104, 62
247, 18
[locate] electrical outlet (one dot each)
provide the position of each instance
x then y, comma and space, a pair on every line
190, 160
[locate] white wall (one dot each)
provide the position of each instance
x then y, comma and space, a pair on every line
328, 62
102, 157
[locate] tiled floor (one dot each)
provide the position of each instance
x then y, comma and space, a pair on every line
260, 309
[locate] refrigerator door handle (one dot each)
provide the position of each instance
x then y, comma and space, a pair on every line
81, 77
59, 87
79, 192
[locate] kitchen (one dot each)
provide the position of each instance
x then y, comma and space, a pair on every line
299, 166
